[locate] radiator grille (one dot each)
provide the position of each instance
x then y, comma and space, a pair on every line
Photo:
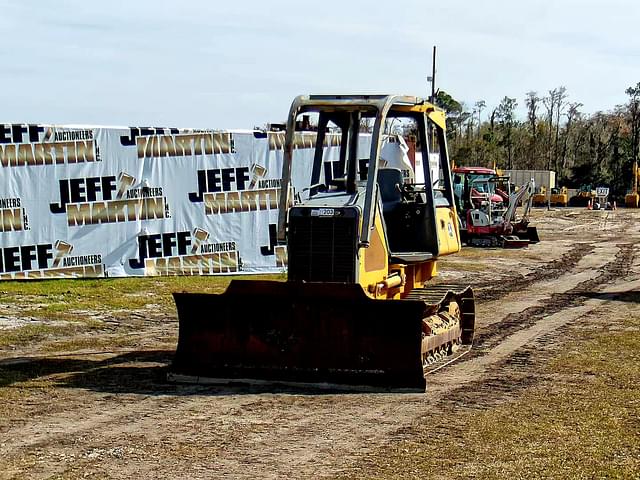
322, 248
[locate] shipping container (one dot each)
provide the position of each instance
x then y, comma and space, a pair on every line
543, 178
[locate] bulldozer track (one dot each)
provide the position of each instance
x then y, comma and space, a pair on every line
446, 361
435, 297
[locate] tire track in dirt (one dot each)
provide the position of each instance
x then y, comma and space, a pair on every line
487, 291
496, 332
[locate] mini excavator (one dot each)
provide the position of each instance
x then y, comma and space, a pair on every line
358, 308
488, 214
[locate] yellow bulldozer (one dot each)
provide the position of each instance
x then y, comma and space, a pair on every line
539, 198
358, 308
559, 197
583, 196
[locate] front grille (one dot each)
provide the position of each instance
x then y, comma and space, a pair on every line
322, 248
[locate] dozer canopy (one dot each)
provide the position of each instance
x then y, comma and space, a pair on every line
352, 110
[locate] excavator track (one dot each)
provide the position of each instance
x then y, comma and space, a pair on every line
448, 329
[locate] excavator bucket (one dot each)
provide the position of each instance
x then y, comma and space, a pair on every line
532, 235
522, 236
303, 333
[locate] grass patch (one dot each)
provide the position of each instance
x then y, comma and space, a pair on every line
37, 332
92, 342
581, 424
73, 307
55, 298
33, 333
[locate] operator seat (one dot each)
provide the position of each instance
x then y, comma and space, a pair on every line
407, 221
389, 182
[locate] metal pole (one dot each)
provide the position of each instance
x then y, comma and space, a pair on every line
433, 76
433, 95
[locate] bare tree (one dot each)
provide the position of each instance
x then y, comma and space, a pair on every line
532, 102
634, 119
480, 105
572, 114
506, 116
561, 104
550, 105
555, 104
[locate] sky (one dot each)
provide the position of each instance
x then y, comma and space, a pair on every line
236, 65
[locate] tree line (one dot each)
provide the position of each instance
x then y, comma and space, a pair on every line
583, 149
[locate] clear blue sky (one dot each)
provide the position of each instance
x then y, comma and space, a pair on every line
210, 64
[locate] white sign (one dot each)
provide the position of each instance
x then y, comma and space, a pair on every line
96, 202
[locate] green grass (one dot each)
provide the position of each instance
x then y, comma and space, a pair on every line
33, 333
582, 423
67, 310
55, 299
92, 342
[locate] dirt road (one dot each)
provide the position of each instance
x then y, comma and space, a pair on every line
111, 415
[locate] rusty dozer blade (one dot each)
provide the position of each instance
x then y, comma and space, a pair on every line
318, 333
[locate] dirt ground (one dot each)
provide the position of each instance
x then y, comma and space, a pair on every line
109, 413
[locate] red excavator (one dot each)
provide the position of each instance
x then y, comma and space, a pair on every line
488, 213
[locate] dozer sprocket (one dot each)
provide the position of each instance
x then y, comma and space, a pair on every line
448, 330
328, 334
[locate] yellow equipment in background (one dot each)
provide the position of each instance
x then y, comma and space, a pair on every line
363, 244
539, 198
632, 199
559, 197
583, 196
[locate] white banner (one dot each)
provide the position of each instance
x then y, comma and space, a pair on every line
95, 202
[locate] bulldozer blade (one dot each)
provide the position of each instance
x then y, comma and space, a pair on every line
308, 333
